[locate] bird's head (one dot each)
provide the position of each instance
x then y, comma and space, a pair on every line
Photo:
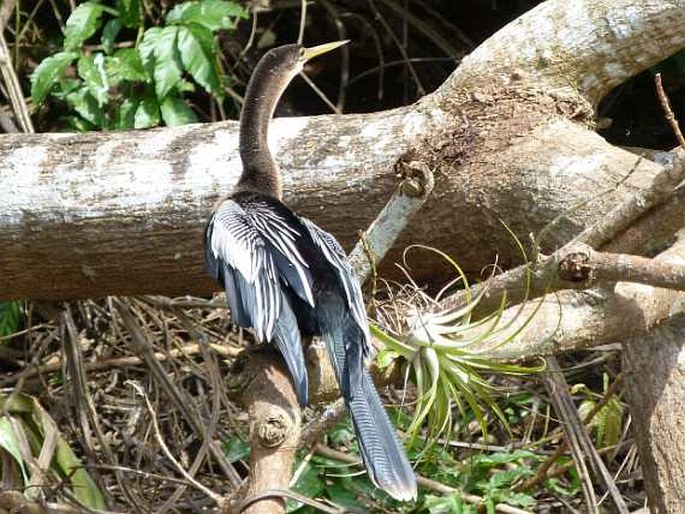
288, 60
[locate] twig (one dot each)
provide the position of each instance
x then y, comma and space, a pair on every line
118, 362
668, 112
413, 191
542, 472
160, 440
585, 267
428, 483
578, 439
13, 87
322, 423
79, 384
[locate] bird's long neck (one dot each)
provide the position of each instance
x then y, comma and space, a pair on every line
260, 172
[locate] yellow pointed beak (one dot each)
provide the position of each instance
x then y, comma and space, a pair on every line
315, 51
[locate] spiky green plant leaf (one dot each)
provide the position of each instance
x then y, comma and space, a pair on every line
437, 347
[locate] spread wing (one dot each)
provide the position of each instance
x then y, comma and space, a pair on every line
336, 257
251, 249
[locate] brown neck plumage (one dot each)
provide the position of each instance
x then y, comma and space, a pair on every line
260, 172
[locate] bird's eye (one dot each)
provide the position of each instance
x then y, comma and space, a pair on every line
302, 53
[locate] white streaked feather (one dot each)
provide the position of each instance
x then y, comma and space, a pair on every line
239, 239
335, 255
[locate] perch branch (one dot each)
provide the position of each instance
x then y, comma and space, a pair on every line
271, 397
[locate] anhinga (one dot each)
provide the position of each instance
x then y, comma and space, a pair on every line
286, 278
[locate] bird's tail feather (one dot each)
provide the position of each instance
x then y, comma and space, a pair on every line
380, 448
381, 451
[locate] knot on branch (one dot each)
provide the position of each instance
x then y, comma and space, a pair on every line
417, 178
575, 267
274, 430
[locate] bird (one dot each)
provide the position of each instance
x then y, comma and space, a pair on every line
287, 279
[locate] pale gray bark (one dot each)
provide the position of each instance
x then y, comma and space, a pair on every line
507, 137
122, 213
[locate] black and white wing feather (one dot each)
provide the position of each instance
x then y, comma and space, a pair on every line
336, 256
252, 250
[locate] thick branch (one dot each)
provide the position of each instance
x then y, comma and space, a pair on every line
96, 214
593, 45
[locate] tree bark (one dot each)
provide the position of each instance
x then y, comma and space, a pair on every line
123, 213
264, 386
508, 137
654, 365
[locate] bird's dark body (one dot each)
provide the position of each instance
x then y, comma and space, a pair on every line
324, 279
285, 278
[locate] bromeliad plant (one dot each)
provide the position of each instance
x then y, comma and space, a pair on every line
140, 83
446, 357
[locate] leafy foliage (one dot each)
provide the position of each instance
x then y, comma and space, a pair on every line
119, 87
607, 423
24, 434
10, 318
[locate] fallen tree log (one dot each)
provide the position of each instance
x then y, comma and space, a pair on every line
507, 137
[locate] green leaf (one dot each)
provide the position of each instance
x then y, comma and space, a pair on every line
452, 504
341, 433
9, 443
129, 12
39, 426
386, 357
91, 68
10, 318
159, 53
125, 64
236, 449
75, 124
109, 35
341, 495
147, 113
82, 24
176, 112
84, 103
197, 49
210, 14
309, 483
47, 73
125, 117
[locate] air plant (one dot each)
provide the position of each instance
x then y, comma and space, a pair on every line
446, 355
